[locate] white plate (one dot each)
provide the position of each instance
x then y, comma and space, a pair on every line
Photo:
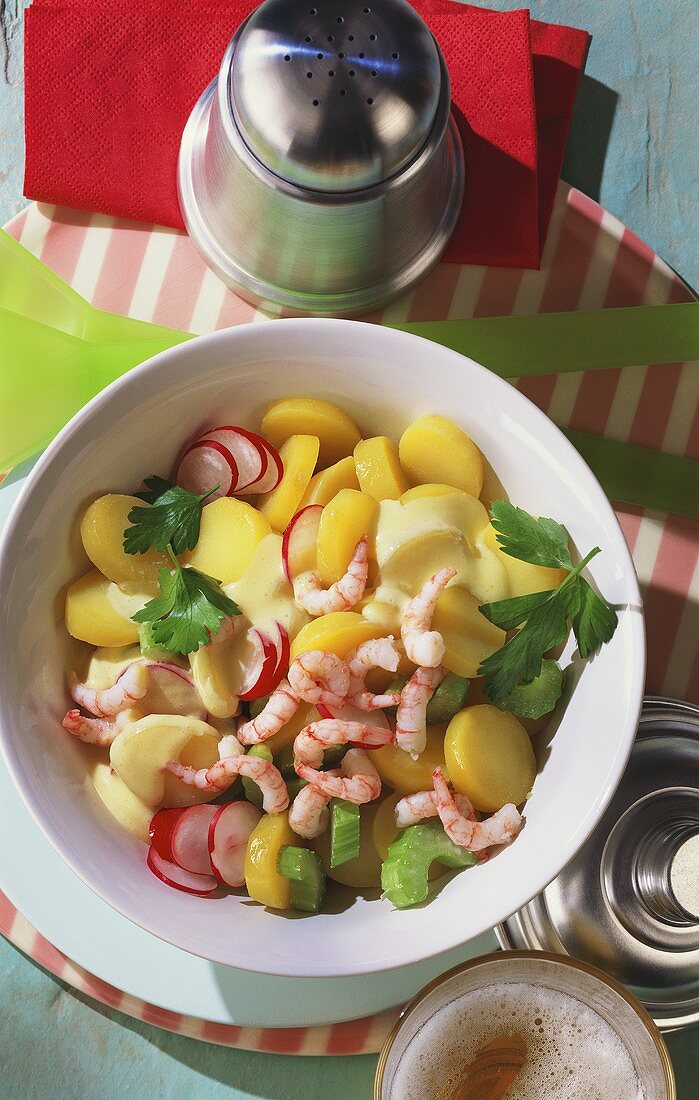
98, 938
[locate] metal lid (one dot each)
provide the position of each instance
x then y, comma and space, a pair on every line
629, 900
338, 96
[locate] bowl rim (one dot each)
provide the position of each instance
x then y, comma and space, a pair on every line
504, 956
638, 648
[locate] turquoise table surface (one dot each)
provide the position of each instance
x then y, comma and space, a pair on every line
634, 148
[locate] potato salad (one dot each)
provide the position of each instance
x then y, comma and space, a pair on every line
307, 655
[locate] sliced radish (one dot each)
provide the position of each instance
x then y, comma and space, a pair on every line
262, 684
171, 690
275, 470
161, 826
282, 642
205, 464
189, 843
300, 540
229, 832
248, 452
178, 878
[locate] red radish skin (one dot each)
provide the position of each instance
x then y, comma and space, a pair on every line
275, 470
201, 886
247, 450
205, 464
229, 832
160, 831
300, 537
258, 673
189, 840
283, 644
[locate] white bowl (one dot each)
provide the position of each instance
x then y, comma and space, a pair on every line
384, 379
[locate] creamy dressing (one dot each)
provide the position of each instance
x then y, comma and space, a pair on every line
140, 752
131, 813
263, 593
415, 539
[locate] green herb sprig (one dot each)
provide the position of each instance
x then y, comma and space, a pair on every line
543, 617
191, 606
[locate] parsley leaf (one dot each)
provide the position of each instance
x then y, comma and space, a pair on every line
594, 620
539, 541
189, 610
520, 659
174, 517
508, 614
542, 617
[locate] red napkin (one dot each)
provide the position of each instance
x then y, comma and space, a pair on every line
109, 85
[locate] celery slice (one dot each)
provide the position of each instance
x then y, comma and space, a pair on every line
305, 870
538, 697
404, 872
344, 831
447, 700
252, 791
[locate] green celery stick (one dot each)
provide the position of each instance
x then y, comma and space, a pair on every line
538, 697
305, 870
252, 791
344, 831
404, 874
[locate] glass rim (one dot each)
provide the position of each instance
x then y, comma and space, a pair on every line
564, 960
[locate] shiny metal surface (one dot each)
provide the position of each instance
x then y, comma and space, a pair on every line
335, 97
628, 902
344, 249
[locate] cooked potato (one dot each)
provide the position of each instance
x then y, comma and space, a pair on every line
337, 432
299, 455
467, 634
378, 468
94, 612
489, 757
327, 483
229, 534
263, 881
336, 633
405, 775
102, 532
345, 519
435, 449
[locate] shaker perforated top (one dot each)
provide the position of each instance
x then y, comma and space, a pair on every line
335, 96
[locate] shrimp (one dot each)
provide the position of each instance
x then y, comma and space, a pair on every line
359, 781
341, 595
411, 716
374, 653
319, 677
279, 709
422, 645
228, 628
313, 740
423, 804
501, 828
232, 763
309, 813
131, 684
98, 731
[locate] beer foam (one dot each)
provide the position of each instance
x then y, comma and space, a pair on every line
572, 1053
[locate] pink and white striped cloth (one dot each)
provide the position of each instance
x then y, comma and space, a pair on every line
591, 261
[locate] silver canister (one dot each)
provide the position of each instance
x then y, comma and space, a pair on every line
628, 902
322, 171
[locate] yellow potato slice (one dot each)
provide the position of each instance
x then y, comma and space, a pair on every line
378, 468
432, 489
141, 750
102, 532
131, 813
467, 634
106, 665
345, 519
299, 454
388, 616
95, 612
337, 633
365, 870
199, 752
489, 757
338, 434
435, 449
523, 577
327, 483
405, 775
493, 488
230, 532
262, 879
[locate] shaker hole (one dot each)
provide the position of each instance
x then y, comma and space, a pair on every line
374, 72
361, 55
308, 38
341, 56
313, 11
394, 56
367, 10
316, 102
319, 56
287, 57
340, 19
350, 38
309, 75
331, 73
342, 91
370, 101
351, 72
331, 38
372, 37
